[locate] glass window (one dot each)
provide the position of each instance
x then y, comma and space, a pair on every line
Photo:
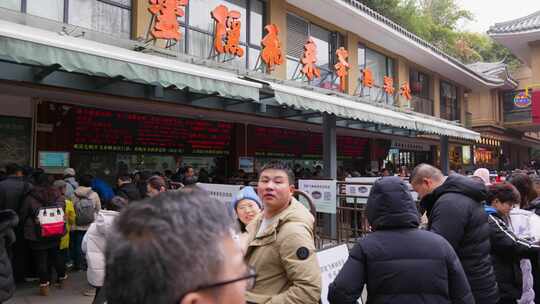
11, 4
200, 18
419, 84
256, 22
101, 16
380, 65
200, 28
50, 9
449, 102
322, 40
297, 35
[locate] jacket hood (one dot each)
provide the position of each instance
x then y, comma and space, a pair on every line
391, 206
104, 221
83, 191
455, 183
296, 212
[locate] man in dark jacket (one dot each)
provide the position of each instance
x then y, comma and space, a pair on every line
398, 262
13, 191
454, 210
8, 222
506, 248
127, 189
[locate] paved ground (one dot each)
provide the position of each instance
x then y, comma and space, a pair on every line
28, 293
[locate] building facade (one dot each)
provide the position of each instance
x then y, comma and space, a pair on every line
84, 83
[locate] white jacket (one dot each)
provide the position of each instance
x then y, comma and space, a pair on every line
94, 246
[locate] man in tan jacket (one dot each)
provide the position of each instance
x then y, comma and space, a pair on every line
281, 244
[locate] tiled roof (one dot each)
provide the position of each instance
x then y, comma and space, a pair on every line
523, 24
365, 9
495, 71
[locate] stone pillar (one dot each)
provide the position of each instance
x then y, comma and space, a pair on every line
330, 161
354, 71
402, 76
436, 96
445, 163
277, 14
140, 19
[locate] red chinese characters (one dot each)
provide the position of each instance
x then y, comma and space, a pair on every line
367, 78
405, 91
271, 53
309, 60
166, 13
342, 67
388, 85
227, 31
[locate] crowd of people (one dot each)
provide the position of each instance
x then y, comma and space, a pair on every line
150, 240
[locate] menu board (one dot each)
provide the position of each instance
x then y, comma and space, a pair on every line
105, 130
16, 134
276, 142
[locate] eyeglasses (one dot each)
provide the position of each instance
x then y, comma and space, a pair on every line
250, 277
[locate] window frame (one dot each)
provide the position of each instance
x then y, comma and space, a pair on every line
247, 44
387, 68
455, 106
65, 17
335, 41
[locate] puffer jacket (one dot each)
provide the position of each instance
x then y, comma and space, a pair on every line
13, 190
398, 262
8, 222
94, 246
506, 251
456, 213
93, 196
39, 197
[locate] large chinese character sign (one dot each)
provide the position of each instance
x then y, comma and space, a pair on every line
165, 18
227, 31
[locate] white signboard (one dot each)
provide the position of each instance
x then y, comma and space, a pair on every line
246, 164
222, 193
331, 261
323, 192
360, 191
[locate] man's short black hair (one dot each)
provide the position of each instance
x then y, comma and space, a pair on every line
86, 180
277, 165
13, 168
163, 247
124, 177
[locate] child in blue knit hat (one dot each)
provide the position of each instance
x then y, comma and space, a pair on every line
246, 205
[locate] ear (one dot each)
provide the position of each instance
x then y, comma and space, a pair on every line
292, 188
192, 298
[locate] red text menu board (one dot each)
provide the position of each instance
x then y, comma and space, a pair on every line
276, 142
105, 130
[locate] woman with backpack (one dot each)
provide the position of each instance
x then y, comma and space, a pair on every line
87, 204
42, 214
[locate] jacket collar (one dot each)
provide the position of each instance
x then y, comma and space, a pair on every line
278, 220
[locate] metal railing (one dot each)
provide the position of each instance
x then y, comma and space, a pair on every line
422, 105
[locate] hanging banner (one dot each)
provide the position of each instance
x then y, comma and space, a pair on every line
222, 193
323, 192
535, 109
331, 261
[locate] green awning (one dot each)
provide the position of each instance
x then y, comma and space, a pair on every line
32, 46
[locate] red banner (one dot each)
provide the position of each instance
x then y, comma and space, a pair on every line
535, 108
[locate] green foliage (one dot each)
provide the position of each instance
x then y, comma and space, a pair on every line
437, 21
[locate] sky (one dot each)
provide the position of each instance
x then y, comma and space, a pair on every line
489, 12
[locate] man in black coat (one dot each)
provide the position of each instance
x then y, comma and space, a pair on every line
398, 262
454, 209
127, 189
13, 191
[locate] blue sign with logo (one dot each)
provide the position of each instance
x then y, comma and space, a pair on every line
522, 101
